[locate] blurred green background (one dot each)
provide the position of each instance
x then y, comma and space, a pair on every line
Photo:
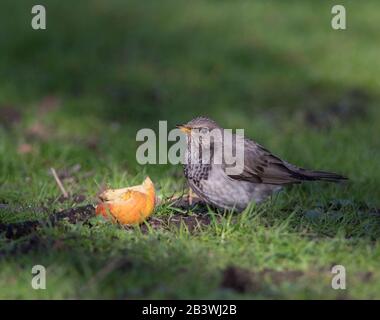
74, 95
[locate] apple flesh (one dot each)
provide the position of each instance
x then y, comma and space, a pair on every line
131, 205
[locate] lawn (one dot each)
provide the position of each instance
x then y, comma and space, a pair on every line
73, 96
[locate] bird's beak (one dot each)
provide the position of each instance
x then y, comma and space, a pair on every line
183, 128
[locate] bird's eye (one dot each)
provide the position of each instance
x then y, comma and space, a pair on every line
203, 130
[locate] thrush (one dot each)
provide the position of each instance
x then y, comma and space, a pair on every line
261, 174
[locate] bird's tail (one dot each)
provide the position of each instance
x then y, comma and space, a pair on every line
321, 175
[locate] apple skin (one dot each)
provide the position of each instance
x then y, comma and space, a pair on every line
128, 206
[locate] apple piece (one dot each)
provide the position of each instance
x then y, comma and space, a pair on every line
130, 205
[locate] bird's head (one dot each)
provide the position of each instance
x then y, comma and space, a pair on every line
200, 124
202, 133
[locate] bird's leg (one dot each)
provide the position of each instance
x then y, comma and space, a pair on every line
190, 196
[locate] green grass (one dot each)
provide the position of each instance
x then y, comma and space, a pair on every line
118, 66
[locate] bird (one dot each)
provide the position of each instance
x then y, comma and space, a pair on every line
262, 173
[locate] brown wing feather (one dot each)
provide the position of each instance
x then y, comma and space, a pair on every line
261, 166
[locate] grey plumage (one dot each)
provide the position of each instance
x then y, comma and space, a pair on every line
262, 174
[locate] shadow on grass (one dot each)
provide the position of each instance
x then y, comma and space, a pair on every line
130, 64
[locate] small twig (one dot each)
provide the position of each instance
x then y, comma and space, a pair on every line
59, 183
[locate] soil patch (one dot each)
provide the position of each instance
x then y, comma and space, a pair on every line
242, 280
352, 105
9, 116
20, 229
192, 222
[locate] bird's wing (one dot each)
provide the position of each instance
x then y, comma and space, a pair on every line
261, 166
